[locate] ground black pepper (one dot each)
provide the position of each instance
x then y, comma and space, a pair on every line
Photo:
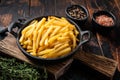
76, 12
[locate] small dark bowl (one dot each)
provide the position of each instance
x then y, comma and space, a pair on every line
77, 20
104, 30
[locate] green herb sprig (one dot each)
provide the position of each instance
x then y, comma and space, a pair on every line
12, 69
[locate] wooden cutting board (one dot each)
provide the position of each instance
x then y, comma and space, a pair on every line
101, 64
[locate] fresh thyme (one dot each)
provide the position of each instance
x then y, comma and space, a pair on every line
12, 69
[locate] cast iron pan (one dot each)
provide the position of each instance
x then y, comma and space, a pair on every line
21, 24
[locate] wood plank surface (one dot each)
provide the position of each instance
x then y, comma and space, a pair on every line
109, 44
99, 63
102, 64
9, 47
103, 46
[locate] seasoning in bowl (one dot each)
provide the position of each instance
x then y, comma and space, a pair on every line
104, 20
77, 12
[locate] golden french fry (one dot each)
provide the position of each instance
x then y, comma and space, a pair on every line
62, 39
41, 48
76, 32
28, 28
24, 46
63, 29
65, 20
34, 42
46, 51
30, 42
21, 39
40, 35
64, 52
46, 42
58, 45
58, 23
56, 50
29, 47
58, 54
49, 22
40, 23
29, 32
45, 36
53, 17
53, 39
73, 39
62, 47
34, 54
29, 51
55, 31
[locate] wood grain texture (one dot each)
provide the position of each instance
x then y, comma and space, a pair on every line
102, 64
109, 44
9, 47
11, 10
99, 63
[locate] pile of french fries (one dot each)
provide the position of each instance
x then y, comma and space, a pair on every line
50, 37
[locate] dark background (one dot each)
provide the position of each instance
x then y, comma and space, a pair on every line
11, 10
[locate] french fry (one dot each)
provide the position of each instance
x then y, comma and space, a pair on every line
58, 54
64, 29
53, 39
62, 39
45, 36
40, 35
29, 47
41, 48
21, 39
46, 51
29, 32
40, 23
54, 53
56, 18
73, 39
34, 42
55, 31
24, 46
49, 22
30, 42
29, 51
34, 54
28, 27
65, 20
46, 42
64, 52
76, 32
58, 23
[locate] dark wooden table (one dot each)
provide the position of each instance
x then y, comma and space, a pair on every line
108, 46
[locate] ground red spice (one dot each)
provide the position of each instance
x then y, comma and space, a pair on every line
104, 20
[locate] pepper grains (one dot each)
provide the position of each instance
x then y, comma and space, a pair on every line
76, 12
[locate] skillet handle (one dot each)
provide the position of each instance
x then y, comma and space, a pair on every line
14, 25
83, 33
3, 30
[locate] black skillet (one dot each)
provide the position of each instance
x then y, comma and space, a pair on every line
21, 24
